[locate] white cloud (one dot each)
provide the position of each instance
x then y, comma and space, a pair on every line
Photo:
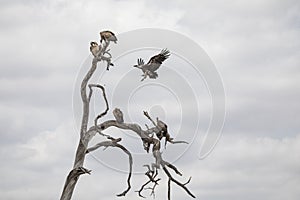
37, 168
262, 168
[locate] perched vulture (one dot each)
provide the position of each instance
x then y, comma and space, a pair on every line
94, 48
153, 64
118, 115
163, 129
108, 36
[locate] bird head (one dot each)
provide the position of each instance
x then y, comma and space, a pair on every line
93, 44
137, 66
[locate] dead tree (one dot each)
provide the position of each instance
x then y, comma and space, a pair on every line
150, 138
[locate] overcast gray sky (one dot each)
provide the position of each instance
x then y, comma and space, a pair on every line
255, 46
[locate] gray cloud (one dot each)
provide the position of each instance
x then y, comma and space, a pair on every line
255, 45
261, 167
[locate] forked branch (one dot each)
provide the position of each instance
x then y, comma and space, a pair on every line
150, 138
115, 143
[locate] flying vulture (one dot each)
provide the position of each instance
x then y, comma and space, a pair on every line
153, 64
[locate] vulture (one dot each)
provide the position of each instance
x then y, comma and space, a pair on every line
153, 64
94, 48
108, 36
118, 115
163, 129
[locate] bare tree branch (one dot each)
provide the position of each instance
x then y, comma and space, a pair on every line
114, 143
177, 142
151, 174
104, 96
169, 189
182, 185
84, 138
106, 105
150, 137
142, 188
148, 116
147, 141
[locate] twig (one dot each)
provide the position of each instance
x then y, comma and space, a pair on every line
106, 104
142, 188
177, 142
105, 99
148, 116
183, 185
151, 174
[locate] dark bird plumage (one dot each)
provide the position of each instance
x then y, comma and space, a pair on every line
108, 36
153, 64
163, 129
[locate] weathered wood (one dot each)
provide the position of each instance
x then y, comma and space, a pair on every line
72, 179
159, 130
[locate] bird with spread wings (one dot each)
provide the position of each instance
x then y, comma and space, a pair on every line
149, 69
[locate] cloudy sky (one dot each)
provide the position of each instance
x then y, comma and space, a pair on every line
255, 46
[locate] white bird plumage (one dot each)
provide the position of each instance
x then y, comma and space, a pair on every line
95, 48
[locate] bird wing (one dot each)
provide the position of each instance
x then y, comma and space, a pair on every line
159, 58
155, 61
108, 35
140, 61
